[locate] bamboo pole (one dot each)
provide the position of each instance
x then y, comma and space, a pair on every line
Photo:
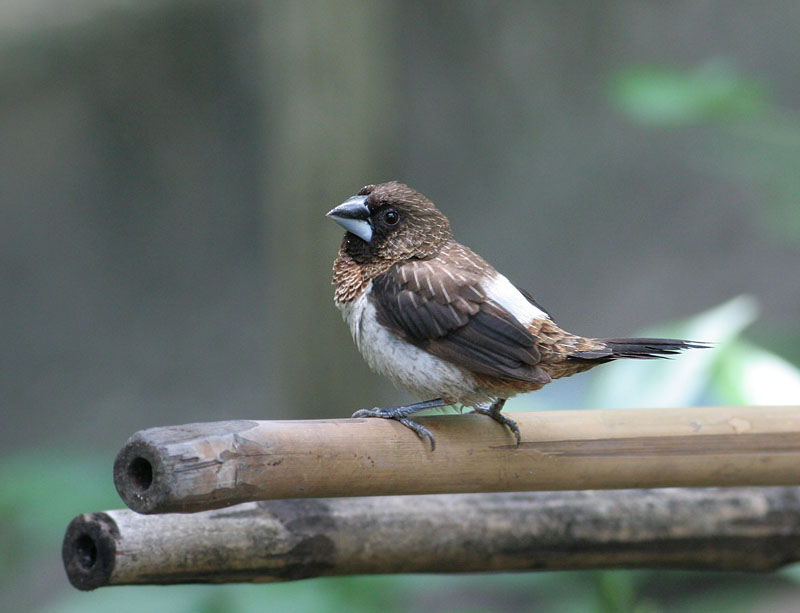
734, 529
210, 465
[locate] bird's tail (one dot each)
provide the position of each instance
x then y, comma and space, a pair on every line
608, 349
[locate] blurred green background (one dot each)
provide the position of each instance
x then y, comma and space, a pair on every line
165, 167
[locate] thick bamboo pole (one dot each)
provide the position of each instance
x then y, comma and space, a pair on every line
736, 528
204, 466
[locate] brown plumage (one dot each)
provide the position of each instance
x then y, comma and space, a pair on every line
437, 319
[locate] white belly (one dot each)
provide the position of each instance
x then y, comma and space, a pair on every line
418, 371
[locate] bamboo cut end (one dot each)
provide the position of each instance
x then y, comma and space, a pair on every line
138, 477
89, 550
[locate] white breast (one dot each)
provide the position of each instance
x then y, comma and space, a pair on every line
503, 292
418, 371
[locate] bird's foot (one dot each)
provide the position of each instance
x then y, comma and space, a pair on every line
401, 414
493, 411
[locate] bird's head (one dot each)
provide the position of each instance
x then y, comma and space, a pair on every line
392, 222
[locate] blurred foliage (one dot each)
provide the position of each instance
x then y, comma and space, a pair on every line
757, 142
41, 491
694, 378
660, 96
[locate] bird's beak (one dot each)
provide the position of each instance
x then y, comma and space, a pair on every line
353, 216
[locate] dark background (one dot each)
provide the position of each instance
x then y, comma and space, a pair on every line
165, 168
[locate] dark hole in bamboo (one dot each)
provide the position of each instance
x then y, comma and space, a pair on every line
140, 472
87, 551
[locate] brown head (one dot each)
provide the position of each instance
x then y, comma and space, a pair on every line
390, 222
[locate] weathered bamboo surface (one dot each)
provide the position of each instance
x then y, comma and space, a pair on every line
727, 528
210, 465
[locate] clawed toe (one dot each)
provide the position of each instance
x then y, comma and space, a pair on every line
367, 413
421, 430
399, 414
512, 425
501, 419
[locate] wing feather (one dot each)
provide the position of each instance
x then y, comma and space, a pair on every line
444, 310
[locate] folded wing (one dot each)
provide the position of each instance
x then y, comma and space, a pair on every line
444, 310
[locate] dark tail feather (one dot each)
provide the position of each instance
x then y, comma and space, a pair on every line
636, 348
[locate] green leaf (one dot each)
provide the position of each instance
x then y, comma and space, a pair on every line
750, 375
678, 382
616, 591
661, 96
791, 572
42, 490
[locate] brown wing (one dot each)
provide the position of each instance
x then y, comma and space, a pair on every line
443, 310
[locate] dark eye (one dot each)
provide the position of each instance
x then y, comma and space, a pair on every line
391, 216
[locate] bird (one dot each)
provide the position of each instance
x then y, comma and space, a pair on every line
437, 319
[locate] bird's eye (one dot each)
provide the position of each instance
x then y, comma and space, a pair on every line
392, 217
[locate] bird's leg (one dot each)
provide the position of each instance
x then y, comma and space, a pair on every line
401, 414
494, 412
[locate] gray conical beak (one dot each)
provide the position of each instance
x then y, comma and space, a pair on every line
353, 216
